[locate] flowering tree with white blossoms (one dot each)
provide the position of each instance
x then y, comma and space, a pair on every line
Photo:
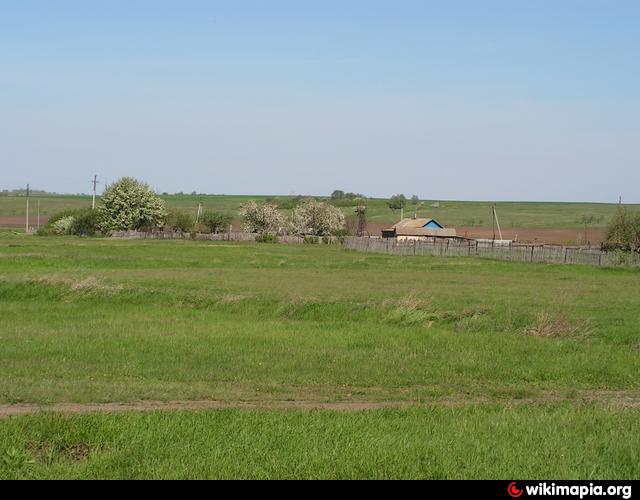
316, 218
129, 204
262, 218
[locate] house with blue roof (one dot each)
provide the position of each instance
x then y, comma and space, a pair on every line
418, 229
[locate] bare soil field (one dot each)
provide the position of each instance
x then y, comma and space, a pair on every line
18, 221
560, 236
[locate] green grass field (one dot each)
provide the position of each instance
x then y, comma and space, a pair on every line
531, 215
499, 370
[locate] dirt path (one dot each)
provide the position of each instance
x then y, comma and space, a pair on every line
626, 399
144, 406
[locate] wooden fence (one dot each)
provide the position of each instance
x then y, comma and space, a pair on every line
232, 236
515, 252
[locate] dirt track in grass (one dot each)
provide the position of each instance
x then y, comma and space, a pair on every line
627, 399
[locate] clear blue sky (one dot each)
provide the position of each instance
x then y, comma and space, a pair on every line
489, 100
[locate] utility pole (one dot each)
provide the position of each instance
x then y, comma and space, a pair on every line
493, 219
199, 214
26, 224
496, 223
95, 182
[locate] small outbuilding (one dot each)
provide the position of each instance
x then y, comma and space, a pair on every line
418, 229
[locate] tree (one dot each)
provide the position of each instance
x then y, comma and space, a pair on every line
415, 200
397, 202
624, 230
262, 218
215, 222
361, 213
337, 195
316, 218
354, 196
129, 204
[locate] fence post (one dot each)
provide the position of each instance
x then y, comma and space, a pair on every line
532, 247
564, 260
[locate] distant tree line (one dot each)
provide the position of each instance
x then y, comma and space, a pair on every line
23, 192
338, 194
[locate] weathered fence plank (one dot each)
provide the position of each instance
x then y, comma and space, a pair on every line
551, 254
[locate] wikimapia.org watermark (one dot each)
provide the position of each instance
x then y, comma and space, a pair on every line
581, 491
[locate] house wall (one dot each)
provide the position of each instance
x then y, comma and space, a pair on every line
415, 238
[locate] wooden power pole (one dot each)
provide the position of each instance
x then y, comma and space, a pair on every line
496, 223
26, 224
95, 183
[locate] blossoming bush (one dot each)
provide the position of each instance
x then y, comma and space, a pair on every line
317, 218
262, 218
129, 204
63, 226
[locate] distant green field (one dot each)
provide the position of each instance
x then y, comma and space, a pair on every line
517, 370
531, 215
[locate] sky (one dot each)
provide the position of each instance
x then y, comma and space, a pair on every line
465, 100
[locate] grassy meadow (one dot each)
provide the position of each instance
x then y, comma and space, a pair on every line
532, 215
496, 369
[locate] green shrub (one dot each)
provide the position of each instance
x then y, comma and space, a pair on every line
266, 238
178, 220
85, 223
397, 202
623, 232
79, 222
311, 240
215, 222
341, 233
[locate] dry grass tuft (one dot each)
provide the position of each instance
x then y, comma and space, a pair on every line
89, 286
411, 311
231, 298
47, 453
557, 325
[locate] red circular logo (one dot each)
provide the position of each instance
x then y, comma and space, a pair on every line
514, 491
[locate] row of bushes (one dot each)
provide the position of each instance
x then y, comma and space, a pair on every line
209, 222
86, 222
308, 240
